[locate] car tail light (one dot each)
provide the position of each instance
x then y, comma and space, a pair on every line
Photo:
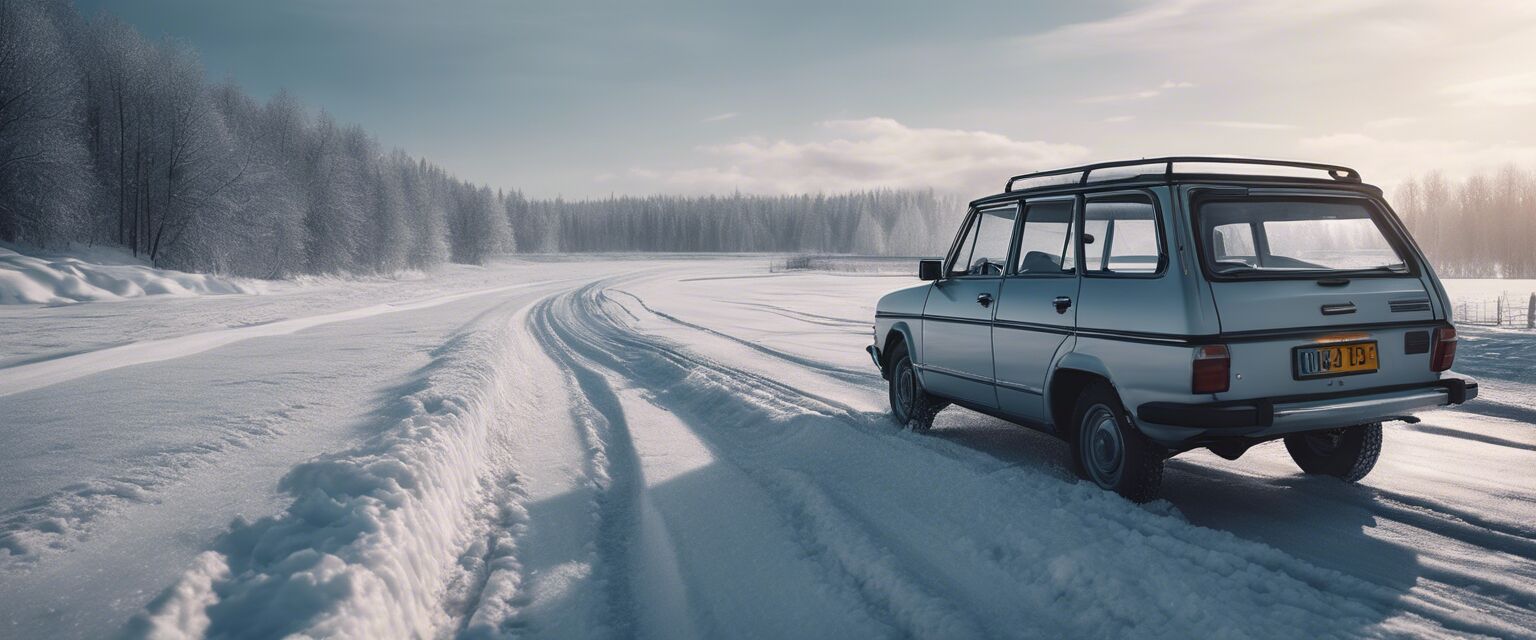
1444, 352
1213, 369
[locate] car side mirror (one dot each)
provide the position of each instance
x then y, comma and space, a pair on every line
1087, 238
930, 269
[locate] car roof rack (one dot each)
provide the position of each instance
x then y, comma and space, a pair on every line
1337, 173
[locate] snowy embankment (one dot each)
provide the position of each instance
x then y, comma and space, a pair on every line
45, 278
365, 547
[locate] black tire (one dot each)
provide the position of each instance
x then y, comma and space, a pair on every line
911, 406
1109, 451
1347, 454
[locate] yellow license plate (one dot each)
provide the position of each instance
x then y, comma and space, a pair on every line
1345, 359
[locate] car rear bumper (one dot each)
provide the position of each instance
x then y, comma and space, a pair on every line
1271, 417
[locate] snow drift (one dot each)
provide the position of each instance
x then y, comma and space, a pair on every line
63, 279
366, 546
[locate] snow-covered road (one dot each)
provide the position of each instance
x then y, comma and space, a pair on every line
671, 447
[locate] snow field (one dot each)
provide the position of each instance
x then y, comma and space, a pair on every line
695, 449
53, 522
34, 375
1478, 579
768, 429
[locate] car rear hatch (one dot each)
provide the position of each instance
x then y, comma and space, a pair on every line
1315, 294
1255, 306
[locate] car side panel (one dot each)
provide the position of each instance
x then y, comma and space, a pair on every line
1026, 336
957, 336
1137, 328
901, 311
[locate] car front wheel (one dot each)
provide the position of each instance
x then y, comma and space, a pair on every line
1347, 454
911, 406
1110, 451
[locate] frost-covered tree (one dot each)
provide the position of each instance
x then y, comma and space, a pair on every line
43, 164
428, 216
478, 225
1478, 227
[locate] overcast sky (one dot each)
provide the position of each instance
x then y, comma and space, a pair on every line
585, 99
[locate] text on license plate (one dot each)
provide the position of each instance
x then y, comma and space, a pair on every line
1335, 359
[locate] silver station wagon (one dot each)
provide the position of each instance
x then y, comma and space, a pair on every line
1144, 308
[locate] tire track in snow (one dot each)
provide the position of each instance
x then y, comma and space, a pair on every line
847, 375
1514, 596
849, 553
1467, 435
802, 316
1348, 594
629, 538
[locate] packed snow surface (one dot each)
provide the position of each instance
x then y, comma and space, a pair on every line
100, 275
675, 447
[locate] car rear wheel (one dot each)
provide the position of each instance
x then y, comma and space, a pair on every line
1108, 449
1347, 454
911, 406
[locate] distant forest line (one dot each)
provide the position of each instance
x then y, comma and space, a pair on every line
109, 138
1483, 226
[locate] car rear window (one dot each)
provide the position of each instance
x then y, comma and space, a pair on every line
1296, 237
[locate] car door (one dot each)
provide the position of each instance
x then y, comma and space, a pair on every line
1036, 310
957, 320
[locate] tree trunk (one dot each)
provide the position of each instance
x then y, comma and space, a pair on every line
122, 169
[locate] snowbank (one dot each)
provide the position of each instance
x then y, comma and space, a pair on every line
366, 546
63, 279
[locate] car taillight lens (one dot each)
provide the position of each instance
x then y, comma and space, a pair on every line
1444, 353
1213, 369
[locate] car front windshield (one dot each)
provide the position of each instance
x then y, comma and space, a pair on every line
1296, 236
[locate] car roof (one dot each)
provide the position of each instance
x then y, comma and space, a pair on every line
1171, 170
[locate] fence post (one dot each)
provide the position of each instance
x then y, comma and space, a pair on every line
1498, 312
1530, 313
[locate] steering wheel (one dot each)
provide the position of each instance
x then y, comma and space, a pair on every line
984, 267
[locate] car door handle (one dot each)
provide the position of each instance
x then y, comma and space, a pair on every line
1338, 309
1061, 303
984, 299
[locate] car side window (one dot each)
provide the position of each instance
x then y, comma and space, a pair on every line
1045, 244
1233, 244
962, 258
984, 250
1120, 236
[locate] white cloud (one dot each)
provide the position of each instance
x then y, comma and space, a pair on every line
1122, 97
1514, 90
1239, 124
1335, 141
1140, 95
1169, 25
1417, 85
871, 153
1387, 161
1119, 119
722, 117
1388, 123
